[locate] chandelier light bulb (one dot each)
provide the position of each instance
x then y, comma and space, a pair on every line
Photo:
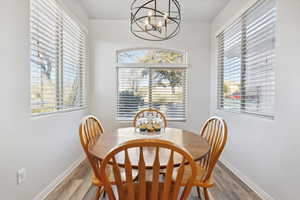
150, 13
166, 16
146, 22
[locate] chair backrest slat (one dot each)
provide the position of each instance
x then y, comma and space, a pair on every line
168, 176
129, 178
118, 179
142, 188
142, 176
155, 176
215, 132
179, 177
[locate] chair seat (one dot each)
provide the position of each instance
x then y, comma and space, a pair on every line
98, 182
201, 173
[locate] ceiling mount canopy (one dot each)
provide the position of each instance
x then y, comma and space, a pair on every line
155, 20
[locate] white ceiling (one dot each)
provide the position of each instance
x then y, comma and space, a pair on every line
119, 9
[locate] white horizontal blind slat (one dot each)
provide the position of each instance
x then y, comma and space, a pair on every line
246, 56
58, 59
140, 88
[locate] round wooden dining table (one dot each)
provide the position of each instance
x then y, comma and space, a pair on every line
196, 145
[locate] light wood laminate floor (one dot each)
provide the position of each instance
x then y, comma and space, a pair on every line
227, 187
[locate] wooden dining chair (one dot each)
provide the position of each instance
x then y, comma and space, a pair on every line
89, 130
148, 185
144, 113
215, 132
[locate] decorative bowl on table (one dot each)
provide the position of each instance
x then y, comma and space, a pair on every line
149, 126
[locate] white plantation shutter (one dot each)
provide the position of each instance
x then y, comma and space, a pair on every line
147, 80
58, 59
74, 64
133, 92
229, 61
170, 100
246, 58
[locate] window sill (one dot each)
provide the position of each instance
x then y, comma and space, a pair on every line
57, 112
247, 114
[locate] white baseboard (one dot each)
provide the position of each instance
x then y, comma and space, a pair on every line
259, 191
43, 194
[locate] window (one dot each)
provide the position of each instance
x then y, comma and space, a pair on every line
151, 78
58, 59
246, 57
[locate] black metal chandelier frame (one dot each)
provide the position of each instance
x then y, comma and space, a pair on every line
167, 17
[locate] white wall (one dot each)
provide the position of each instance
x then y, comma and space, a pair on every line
46, 145
108, 36
267, 151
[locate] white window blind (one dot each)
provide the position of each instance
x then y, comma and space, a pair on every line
58, 59
246, 57
151, 78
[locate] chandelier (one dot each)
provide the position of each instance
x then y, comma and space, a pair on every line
155, 20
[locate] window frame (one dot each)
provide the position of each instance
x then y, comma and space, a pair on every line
149, 66
61, 107
220, 79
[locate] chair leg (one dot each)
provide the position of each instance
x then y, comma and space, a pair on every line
206, 196
98, 193
198, 192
